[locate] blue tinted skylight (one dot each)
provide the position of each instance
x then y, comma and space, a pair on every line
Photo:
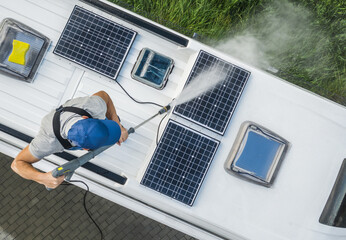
256, 153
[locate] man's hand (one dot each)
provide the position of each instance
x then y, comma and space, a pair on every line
124, 135
22, 165
49, 181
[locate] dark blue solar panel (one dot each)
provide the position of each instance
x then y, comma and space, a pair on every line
214, 108
95, 42
180, 162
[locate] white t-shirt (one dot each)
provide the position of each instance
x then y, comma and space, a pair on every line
45, 143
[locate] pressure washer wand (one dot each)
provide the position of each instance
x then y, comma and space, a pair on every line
69, 168
162, 111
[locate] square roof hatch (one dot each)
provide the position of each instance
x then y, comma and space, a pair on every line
256, 154
152, 68
21, 49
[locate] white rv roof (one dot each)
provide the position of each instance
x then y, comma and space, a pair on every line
226, 206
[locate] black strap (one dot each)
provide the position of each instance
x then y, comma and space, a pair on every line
56, 122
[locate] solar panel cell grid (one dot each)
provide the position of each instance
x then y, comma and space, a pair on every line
95, 42
180, 163
214, 108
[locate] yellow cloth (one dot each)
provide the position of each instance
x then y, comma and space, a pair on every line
18, 52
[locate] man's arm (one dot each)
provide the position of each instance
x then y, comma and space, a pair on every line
22, 165
112, 114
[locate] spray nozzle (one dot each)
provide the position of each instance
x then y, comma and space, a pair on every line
165, 109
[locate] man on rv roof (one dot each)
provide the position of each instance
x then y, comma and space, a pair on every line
81, 123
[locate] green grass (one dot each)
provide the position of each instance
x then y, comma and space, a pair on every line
304, 39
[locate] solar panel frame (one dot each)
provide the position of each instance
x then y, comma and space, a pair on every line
102, 46
180, 162
214, 109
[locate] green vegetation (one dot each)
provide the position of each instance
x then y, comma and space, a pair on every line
304, 39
